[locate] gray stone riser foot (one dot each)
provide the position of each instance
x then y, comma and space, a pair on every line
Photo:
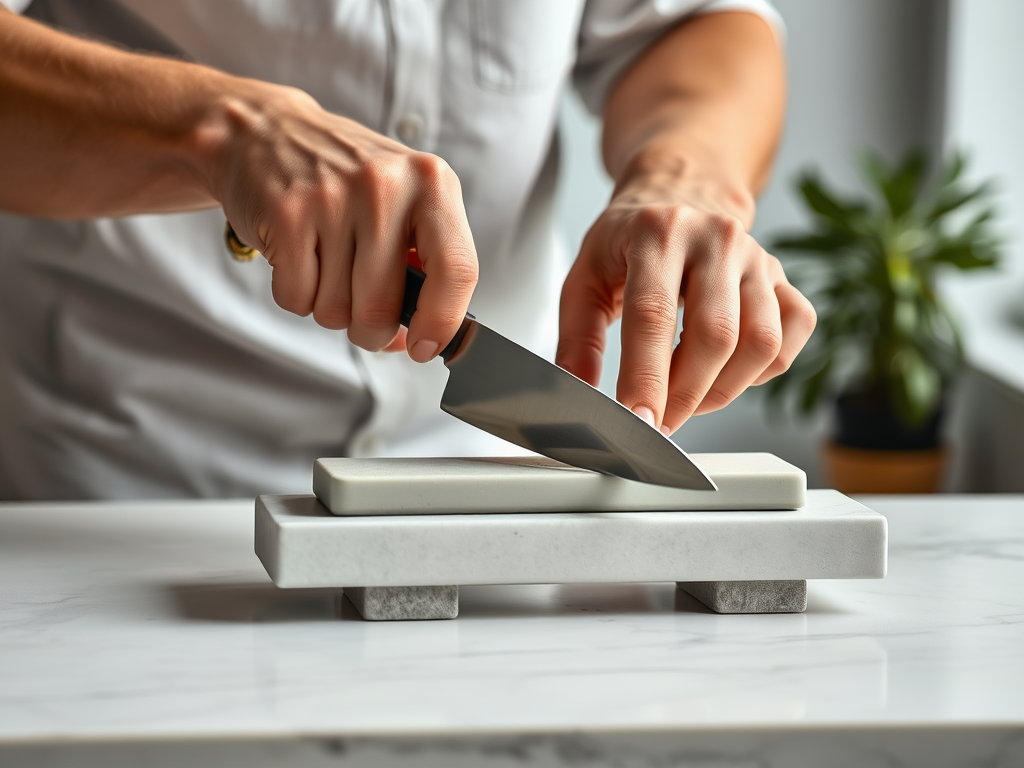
431, 603
404, 603
749, 596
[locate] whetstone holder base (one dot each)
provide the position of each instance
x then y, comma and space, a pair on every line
400, 536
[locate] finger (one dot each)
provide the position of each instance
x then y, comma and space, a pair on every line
290, 248
378, 279
759, 343
650, 307
589, 304
332, 307
798, 321
709, 337
444, 245
397, 344
380, 215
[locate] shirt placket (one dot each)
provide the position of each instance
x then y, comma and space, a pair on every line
412, 117
415, 111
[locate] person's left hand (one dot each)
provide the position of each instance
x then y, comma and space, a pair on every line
661, 245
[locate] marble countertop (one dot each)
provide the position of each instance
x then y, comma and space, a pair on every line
156, 621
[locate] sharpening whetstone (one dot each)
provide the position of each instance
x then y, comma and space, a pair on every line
434, 486
301, 544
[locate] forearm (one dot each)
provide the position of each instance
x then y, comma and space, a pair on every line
88, 130
703, 107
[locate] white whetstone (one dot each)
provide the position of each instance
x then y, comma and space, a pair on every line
301, 544
535, 484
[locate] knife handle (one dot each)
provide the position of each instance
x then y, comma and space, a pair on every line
413, 283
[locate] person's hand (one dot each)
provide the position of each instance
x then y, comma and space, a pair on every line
335, 207
661, 245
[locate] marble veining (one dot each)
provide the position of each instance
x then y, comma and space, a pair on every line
155, 621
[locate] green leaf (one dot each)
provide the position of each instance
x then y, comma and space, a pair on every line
900, 186
952, 168
814, 387
981, 219
956, 198
963, 256
958, 338
905, 316
915, 385
841, 214
829, 242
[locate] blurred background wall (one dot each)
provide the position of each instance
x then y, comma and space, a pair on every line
985, 114
886, 75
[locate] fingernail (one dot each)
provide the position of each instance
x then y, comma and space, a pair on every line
666, 431
646, 414
423, 350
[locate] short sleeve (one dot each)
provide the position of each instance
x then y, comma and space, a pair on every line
18, 6
614, 32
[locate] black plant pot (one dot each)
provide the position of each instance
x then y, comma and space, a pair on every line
869, 422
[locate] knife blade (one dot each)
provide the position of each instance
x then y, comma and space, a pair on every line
506, 390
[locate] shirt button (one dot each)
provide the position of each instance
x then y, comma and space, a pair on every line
410, 129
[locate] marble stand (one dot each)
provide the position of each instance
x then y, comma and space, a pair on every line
303, 545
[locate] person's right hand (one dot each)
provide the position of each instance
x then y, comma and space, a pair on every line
334, 207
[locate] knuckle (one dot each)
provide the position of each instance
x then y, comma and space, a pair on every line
578, 301
647, 385
433, 170
334, 316
602, 252
808, 318
653, 310
774, 267
461, 267
653, 217
378, 316
657, 224
365, 339
292, 300
381, 178
579, 346
781, 364
717, 398
371, 339
728, 229
287, 211
764, 341
683, 402
717, 333
328, 194
297, 97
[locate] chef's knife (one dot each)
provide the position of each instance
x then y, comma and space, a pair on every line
508, 391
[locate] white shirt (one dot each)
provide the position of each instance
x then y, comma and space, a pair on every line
137, 359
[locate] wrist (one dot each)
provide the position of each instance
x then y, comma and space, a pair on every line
698, 176
230, 109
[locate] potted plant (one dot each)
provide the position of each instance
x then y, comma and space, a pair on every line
886, 349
